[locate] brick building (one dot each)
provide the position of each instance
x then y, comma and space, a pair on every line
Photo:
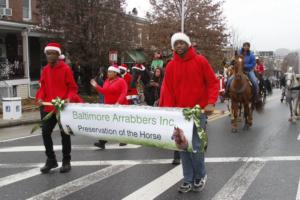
20, 47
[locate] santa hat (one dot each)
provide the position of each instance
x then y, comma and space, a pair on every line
62, 57
182, 37
114, 68
53, 47
139, 67
124, 67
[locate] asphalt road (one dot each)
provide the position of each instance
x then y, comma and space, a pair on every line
262, 163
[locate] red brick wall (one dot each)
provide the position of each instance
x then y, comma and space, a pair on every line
17, 11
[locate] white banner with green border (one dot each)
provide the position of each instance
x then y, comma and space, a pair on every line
158, 127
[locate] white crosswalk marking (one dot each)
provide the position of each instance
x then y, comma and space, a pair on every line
19, 177
19, 138
80, 183
238, 184
157, 186
159, 161
298, 192
59, 147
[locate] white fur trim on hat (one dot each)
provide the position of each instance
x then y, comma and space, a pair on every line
180, 36
142, 68
123, 68
62, 57
51, 48
114, 69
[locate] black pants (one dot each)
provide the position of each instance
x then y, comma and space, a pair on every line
176, 155
47, 128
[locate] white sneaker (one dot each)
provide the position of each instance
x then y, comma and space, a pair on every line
199, 184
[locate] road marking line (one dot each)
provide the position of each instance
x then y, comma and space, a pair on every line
59, 147
298, 137
19, 177
157, 186
157, 161
19, 138
80, 183
298, 192
237, 185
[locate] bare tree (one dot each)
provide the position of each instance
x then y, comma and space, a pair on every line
204, 23
90, 29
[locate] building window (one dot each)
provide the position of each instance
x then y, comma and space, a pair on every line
3, 3
140, 36
26, 10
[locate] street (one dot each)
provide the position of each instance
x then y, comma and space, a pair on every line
262, 163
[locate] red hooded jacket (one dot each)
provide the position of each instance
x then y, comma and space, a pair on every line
55, 82
114, 92
188, 82
260, 68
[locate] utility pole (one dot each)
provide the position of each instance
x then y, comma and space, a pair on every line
182, 15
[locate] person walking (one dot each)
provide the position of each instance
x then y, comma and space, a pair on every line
189, 81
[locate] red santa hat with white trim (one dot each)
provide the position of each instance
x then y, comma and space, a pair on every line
182, 37
114, 68
140, 67
53, 46
124, 67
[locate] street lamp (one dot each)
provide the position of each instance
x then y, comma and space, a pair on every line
182, 15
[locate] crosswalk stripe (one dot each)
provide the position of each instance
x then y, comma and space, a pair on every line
238, 184
157, 186
298, 192
158, 161
19, 138
80, 183
19, 177
59, 147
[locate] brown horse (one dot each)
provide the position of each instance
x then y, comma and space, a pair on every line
241, 94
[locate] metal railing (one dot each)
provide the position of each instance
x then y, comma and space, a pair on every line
11, 71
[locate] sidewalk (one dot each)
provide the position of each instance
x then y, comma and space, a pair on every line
27, 118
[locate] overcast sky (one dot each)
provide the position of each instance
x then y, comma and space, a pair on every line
267, 24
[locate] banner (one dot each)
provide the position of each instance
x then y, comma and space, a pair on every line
158, 127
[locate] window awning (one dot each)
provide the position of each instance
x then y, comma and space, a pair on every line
136, 56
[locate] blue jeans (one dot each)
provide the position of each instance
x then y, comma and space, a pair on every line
193, 163
252, 78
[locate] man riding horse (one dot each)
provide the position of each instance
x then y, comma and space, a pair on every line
249, 65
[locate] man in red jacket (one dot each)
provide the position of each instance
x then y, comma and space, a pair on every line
189, 80
259, 68
56, 81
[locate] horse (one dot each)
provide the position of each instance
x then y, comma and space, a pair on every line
141, 77
241, 95
292, 97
